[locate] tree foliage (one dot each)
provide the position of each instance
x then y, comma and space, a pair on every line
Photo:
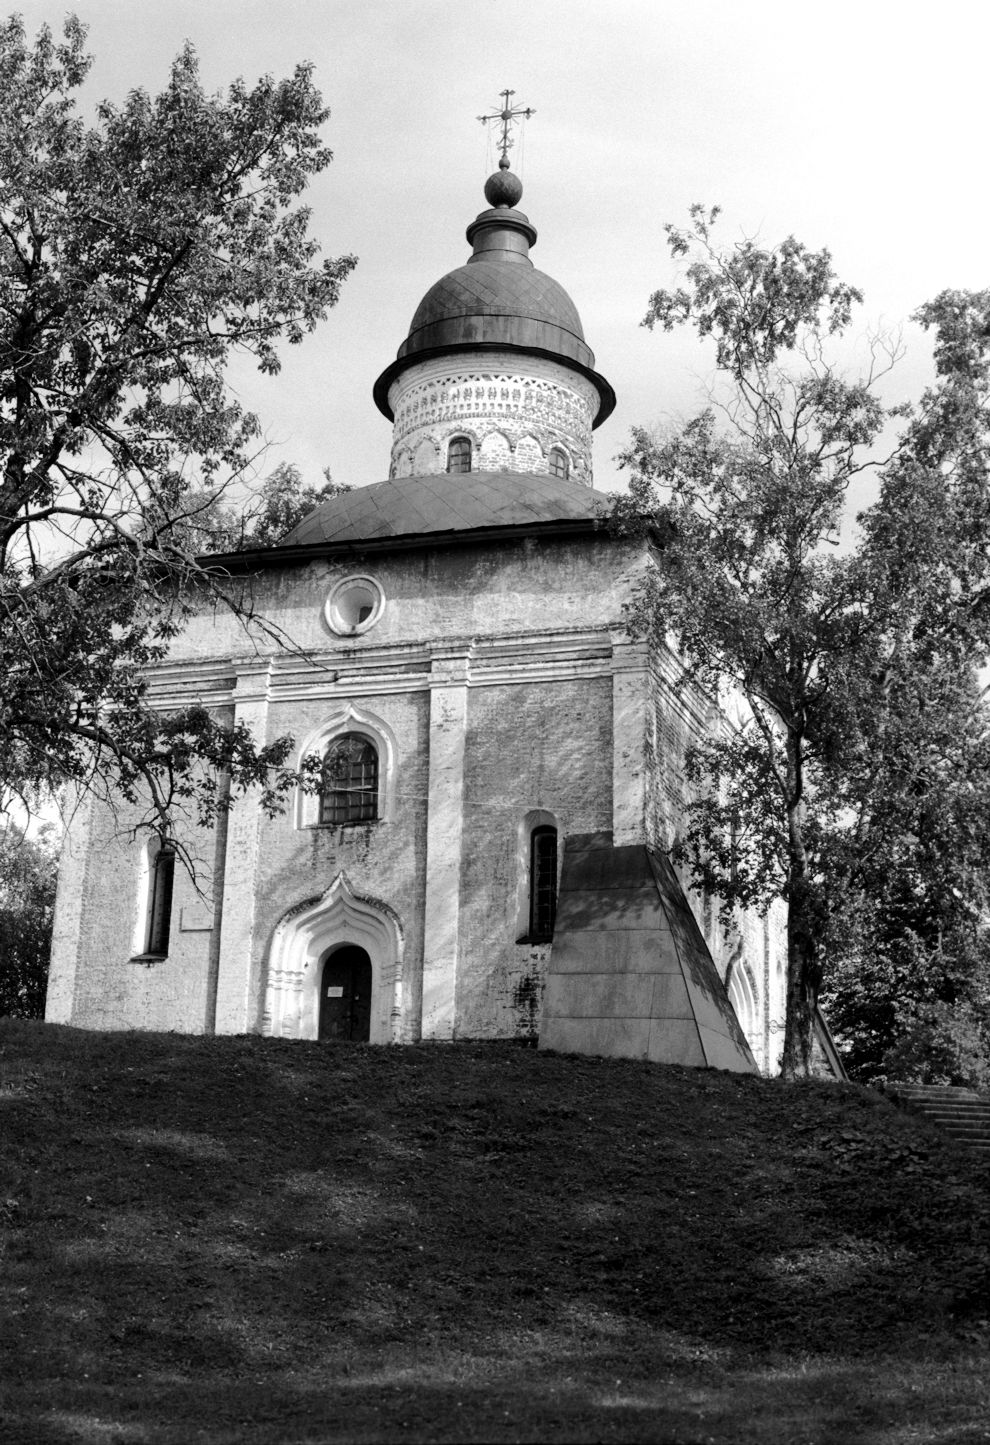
27, 903
280, 503
138, 256
835, 654
908, 978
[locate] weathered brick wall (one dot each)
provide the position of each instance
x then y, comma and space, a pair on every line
109, 988
524, 610
431, 595
544, 748
384, 860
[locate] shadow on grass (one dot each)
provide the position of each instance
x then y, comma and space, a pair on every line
578, 1396
246, 1240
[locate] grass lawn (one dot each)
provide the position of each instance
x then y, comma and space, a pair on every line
235, 1241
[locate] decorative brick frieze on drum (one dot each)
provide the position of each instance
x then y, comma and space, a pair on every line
512, 414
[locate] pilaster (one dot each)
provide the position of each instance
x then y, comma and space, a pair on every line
67, 933
237, 920
444, 833
629, 769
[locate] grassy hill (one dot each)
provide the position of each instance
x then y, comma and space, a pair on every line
240, 1240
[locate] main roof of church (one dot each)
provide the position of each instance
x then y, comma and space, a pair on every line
447, 505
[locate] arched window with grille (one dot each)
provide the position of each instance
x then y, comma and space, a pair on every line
459, 454
542, 883
560, 463
349, 790
160, 902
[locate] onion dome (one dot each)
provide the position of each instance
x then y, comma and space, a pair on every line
498, 301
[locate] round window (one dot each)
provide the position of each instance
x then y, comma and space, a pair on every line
354, 605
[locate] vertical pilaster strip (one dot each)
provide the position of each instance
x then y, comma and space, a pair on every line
629, 701
67, 939
444, 834
237, 914
219, 879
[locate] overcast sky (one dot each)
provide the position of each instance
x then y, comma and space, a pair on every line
861, 127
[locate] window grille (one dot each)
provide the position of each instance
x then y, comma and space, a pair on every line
459, 455
559, 464
542, 884
349, 793
160, 903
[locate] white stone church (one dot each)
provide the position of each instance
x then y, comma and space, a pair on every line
502, 777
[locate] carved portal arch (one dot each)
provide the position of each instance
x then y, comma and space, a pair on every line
744, 999
302, 940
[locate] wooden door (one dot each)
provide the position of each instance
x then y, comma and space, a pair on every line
345, 995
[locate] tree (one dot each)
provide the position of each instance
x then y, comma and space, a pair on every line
281, 502
829, 652
27, 905
908, 963
138, 256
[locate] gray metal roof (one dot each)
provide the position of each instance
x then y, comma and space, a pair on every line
491, 301
445, 505
497, 301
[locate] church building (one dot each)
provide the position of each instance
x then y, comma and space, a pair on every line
502, 779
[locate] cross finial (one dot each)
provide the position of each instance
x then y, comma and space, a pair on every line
506, 116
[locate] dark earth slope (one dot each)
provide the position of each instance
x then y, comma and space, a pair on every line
242, 1240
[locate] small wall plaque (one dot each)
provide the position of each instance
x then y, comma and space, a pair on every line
334, 992
196, 918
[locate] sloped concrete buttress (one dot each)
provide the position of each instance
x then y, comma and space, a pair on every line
630, 972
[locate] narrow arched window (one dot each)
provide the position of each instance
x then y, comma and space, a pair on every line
160, 902
542, 883
459, 454
560, 463
349, 793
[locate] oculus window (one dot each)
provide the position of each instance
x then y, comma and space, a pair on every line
354, 605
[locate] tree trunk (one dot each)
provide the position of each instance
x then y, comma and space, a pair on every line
803, 962
802, 982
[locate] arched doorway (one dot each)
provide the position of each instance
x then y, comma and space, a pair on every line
311, 933
345, 995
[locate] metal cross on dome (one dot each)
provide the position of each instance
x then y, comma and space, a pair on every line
507, 115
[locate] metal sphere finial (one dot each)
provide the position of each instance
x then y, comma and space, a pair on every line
503, 188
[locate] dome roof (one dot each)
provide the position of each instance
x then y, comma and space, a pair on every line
446, 505
489, 301
498, 301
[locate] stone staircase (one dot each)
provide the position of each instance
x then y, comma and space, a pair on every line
963, 1114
